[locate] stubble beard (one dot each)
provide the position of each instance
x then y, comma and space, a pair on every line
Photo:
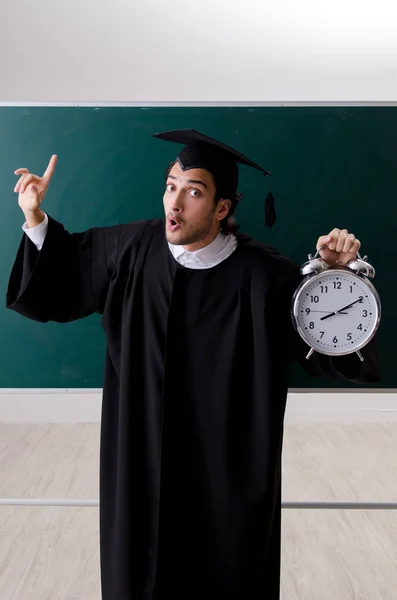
193, 234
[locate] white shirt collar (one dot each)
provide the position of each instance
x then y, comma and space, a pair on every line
214, 253
206, 254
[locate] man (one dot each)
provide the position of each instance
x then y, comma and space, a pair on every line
199, 339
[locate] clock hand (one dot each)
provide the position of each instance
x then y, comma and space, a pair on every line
337, 312
341, 309
350, 305
325, 311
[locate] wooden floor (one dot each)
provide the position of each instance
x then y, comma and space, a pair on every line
52, 553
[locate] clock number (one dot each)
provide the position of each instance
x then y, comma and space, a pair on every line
324, 288
360, 327
311, 325
361, 298
335, 340
321, 333
351, 289
307, 310
337, 285
349, 337
314, 299
365, 313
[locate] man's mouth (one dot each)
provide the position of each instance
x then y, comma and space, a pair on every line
173, 224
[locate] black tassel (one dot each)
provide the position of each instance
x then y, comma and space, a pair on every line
270, 212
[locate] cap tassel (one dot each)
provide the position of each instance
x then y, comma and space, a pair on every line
270, 212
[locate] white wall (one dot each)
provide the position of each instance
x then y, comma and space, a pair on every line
203, 50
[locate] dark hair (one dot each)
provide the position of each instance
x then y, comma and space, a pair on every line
222, 190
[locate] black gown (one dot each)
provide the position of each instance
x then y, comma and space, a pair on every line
194, 396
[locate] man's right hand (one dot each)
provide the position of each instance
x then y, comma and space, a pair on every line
32, 190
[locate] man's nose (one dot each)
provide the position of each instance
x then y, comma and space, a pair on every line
177, 203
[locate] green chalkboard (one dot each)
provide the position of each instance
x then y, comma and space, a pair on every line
331, 166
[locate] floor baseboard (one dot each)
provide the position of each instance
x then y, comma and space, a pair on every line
84, 406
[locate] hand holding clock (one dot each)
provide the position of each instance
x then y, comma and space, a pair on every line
341, 247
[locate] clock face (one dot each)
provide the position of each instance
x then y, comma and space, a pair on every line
336, 312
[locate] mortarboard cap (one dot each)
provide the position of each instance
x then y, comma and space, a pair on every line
204, 152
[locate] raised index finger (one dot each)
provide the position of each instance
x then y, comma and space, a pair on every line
48, 173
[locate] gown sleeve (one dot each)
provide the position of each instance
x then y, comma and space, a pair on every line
348, 367
68, 278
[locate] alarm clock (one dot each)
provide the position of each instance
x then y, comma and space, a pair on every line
336, 309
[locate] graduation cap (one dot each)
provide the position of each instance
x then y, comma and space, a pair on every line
203, 152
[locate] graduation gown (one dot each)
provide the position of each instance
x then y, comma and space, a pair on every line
194, 395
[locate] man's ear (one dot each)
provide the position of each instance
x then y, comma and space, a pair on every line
223, 208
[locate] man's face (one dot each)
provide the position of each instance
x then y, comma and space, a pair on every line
192, 216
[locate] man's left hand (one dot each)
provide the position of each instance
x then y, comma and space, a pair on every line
342, 247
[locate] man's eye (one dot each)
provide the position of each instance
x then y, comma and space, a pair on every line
170, 187
195, 193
